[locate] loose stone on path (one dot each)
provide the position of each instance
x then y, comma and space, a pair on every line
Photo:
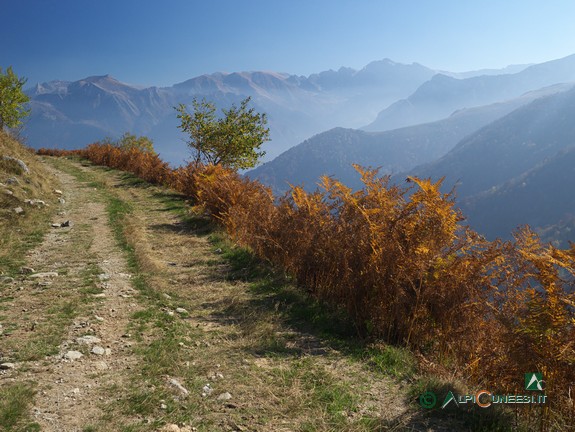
73, 355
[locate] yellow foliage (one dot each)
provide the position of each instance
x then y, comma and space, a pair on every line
401, 264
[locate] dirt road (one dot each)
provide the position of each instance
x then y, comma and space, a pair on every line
148, 319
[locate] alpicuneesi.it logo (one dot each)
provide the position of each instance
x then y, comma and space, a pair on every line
534, 381
485, 398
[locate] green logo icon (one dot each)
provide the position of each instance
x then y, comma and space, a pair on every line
448, 398
428, 400
534, 381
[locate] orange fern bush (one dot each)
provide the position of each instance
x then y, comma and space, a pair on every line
146, 165
217, 189
398, 263
238, 203
149, 167
302, 221
101, 154
252, 216
535, 304
183, 179
58, 152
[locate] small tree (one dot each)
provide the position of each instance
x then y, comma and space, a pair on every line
129, 141
233, 140
12, 99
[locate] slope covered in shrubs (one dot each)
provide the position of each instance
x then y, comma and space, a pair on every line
402, 265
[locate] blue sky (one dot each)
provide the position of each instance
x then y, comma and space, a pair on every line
152, 42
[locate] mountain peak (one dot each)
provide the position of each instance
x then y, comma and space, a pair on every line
107, 83
101, 78
380, 64
55, 86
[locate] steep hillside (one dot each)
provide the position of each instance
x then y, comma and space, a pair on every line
542, 197
509, 146
333, 152
26, 200
440, 96
516, 170
22, 178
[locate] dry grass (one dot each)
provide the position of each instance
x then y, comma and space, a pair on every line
19, 232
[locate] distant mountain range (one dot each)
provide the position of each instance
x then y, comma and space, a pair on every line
442, 95
333, 152
73, 114
510, 161
505, 137
511, 69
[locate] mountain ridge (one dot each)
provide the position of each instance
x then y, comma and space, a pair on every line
333, 152
516, 170
298, 106
443, 94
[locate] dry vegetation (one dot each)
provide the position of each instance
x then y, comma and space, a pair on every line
19, 230
402, 265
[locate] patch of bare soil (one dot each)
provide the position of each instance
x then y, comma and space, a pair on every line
90, 296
